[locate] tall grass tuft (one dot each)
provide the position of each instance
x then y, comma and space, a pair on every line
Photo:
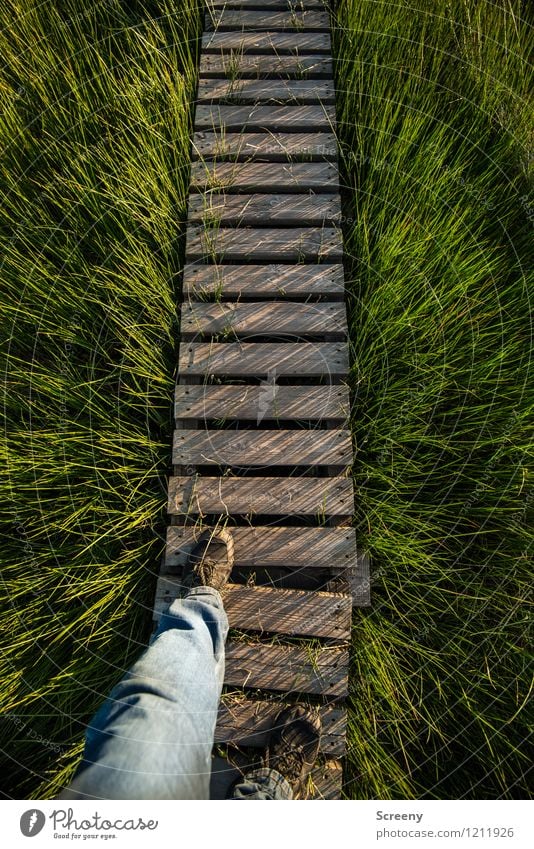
95, 105
436, 132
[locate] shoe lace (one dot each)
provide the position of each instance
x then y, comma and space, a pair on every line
289, 764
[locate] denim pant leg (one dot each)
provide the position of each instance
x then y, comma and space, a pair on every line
152, 738
263, 784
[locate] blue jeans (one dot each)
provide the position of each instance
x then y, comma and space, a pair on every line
153, 736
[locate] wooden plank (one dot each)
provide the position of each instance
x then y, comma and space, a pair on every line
297, 496
265, 209
288, 669
282, 177
265, 91
258, 359
264, 281
297, 119
243, 722
262, 403
326, 781
262, 448
359, 581
277, 43
260, 20
265, 147
262, 65
295, 613
235, 244
277, 318
281, 5
328, 550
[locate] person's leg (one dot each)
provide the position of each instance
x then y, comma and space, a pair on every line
153, 737
291, 753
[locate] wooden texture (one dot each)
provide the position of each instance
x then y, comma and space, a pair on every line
277, 319
327, 781
248, 65
258, 21
234, 244
329, 550
265, 91
359, 581
273, 177
265, 118
264, 209
262, 403
265, 147
264, 262
274, 43
264, 281
296, 496
321, 671
243, 722
247, 359
276, 5
295, 613
262, 448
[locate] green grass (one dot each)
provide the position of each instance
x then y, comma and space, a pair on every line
96, 111
437, 142
436, 147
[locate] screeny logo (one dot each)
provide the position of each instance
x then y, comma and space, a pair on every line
31, 822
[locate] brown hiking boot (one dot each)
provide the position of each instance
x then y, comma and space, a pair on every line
211, 560
294, 745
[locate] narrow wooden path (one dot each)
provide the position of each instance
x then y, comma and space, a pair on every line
262, 443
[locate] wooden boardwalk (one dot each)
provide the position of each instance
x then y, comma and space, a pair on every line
262, 443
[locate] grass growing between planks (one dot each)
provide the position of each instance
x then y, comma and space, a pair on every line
94, 132
95, 105
437, 141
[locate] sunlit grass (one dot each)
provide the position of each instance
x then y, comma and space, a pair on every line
436, 133
96, 112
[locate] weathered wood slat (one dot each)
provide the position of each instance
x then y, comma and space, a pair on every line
263, 228
272, 177
265, 91
359, 582
264, 281
328, 550
278, 319
243, 722
298, 496
287, 669
265, 210
262, 448
247, 359
265, 147
235, 244
277, 43
294, 613
273, 5
258, 66
297, 119
262, 403
258, 21
327, 781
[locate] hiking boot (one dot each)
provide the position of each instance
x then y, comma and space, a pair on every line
294, 745
211, 560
